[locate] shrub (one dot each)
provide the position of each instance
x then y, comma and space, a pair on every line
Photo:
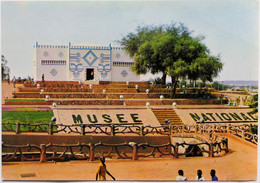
254, 129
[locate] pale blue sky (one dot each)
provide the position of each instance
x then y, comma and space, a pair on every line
230, 28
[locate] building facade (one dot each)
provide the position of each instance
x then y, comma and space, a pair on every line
82, 63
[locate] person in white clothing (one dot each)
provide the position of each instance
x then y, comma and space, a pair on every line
181, 176
199, 176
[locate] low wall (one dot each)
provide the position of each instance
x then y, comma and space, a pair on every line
23, 139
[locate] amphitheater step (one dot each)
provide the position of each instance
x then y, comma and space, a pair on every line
162, 114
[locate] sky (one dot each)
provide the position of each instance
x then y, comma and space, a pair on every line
230, 28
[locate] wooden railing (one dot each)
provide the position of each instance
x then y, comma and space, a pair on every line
83, 129
241, 130
127, 150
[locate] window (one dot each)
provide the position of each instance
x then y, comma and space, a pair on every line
128, 64
53, 62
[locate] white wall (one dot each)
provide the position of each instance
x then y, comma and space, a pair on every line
95, 57
78, 59
122, 73
51, 72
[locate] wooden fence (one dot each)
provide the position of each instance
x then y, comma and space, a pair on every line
131, 150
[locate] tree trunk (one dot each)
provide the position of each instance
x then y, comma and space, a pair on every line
174, 85
163, 79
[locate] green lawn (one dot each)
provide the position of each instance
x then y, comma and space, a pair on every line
37, 117
25, 100
27, 117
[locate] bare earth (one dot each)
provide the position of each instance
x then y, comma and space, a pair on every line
239, 165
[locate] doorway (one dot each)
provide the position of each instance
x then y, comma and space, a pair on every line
89, 74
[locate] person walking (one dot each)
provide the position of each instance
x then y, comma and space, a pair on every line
213, 175
181, 176
199, 176
102, 170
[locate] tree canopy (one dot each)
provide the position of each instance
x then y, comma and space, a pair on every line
4, 68
173, 51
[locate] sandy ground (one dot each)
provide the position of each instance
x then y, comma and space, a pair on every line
238, 165
7, 89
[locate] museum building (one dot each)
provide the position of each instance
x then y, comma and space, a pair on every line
82, 63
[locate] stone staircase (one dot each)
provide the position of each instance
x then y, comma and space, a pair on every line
102, 93
166, 113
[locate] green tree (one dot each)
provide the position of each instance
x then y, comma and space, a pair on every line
140, 47
171, 50
5, 70
205, 68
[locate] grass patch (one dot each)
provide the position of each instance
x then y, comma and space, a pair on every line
26, 109
37, 117
25, 100
27, 117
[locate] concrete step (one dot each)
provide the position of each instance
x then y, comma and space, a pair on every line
170, 114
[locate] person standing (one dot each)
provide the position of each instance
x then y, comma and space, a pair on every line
181, 176
199, 176
8, 79
102, 170
213, 175
42, 77
14, 81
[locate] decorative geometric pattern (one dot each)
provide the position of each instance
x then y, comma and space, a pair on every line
124, 73
103, 69
75, 67
54, 72
75, 57
46, 54
61, 54
118, 55
90, 58
104, 57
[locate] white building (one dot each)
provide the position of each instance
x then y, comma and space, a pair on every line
81, 63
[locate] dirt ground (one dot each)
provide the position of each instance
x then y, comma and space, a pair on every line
7, 90
238, 165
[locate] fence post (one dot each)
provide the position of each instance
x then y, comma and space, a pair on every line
226, 145
176, 150
211, 150
142, 131
134, 157
17, 130
91, 152
170, 130
242, 134
50, 128
112, 130
43, 157
82, 129
229, 128
210, 134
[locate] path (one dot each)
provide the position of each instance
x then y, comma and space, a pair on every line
239, 164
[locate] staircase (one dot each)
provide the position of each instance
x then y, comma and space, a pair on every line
164, 113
